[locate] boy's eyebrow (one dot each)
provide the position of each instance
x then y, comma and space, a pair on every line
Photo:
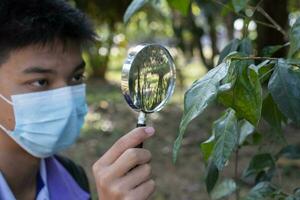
38, 70
42, 70
80, 66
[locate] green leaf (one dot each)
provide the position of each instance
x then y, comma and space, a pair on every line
230, 47
245, 129
265, 70
239, 5
211, 177
225, 131
229, 80
246, 95
245, 47
270, 50
290, 152
295, 196
293, 62
256, 138
294, 39
227, 9
207, 147
134, 6
201, 94
180, 5
262, 191
297, 192
273, 116
259, 163
284, 86
292, 197
224, 189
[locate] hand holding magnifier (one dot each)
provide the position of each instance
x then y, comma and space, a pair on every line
148, 79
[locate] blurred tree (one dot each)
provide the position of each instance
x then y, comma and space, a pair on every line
201, 21
276, 14
103, 12
198, 24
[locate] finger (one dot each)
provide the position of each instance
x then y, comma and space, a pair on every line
130, 159
130, 140
143, 191
137, 176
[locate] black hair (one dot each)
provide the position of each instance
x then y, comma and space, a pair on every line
29, 22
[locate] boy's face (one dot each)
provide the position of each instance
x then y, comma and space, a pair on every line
36, 68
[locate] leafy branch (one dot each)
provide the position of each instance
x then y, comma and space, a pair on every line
273, 24
239, 88
238, 84
278, 27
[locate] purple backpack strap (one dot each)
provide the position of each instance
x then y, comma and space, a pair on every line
61, 185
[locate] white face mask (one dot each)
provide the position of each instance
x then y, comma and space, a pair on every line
48, 122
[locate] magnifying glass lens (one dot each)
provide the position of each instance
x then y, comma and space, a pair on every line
150, 79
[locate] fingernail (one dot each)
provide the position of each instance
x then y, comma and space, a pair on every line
150, 130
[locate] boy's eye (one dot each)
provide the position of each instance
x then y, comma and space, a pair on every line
40, 83
78, 78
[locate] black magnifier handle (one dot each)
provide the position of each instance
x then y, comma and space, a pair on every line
140, 125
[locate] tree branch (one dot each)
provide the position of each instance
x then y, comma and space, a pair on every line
254, 58
256, 21
236, 176
278, 27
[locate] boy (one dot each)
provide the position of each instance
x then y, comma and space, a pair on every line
42, 108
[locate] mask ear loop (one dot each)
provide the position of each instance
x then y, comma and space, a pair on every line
5, 99
10, 103
4, 129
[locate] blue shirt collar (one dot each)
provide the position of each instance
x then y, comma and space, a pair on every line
42, 189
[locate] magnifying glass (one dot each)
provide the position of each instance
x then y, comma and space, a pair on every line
148, 79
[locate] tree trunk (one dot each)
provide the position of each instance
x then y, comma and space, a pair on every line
213, 38
100, 71
229, 19
278, 10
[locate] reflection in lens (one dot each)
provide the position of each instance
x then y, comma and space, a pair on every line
152, 74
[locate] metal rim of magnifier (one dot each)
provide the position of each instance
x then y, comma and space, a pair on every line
126, 74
